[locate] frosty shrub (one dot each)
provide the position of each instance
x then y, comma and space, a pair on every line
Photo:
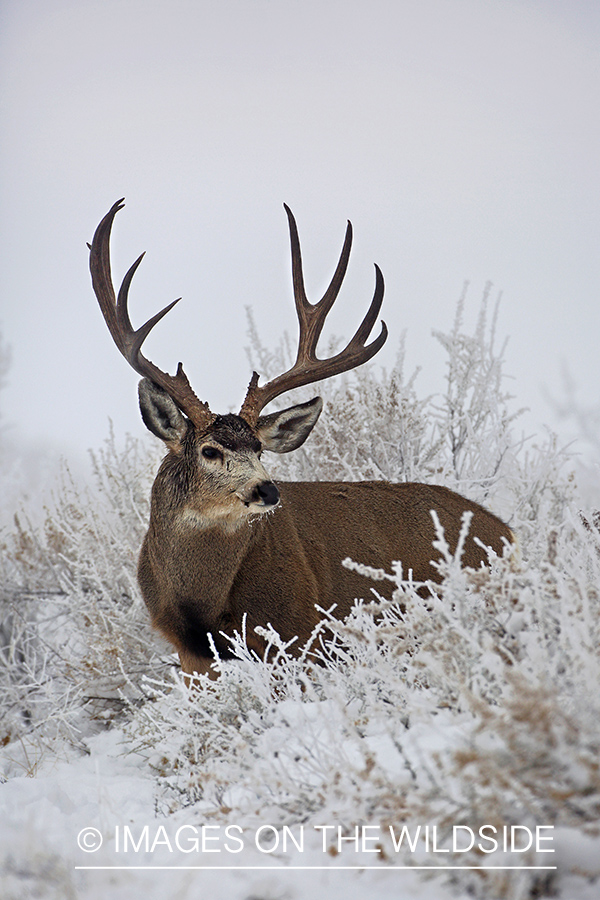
74, 631
461, 703
583, 423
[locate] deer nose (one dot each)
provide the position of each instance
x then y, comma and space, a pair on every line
267, 492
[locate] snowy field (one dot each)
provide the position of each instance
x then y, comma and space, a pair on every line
462, 735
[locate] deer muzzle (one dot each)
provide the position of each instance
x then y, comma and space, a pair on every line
263, 495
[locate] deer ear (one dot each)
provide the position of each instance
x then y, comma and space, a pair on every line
160, 412
283, 431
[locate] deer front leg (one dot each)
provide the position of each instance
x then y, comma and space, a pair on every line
192, 665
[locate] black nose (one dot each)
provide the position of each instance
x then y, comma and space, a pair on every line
268, 493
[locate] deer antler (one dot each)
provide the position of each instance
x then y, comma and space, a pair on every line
129, 341
307, 369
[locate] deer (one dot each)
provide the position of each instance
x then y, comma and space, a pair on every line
227, 550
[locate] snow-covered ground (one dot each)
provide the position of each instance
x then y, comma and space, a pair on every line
54, 818
109, 790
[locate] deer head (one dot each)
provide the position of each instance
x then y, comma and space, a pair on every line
216, 459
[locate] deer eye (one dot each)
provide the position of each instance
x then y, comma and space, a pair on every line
209, 452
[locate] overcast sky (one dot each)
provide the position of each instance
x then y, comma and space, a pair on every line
461, 137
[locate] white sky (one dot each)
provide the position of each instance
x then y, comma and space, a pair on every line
461, 137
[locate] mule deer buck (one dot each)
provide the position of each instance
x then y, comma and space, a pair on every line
224, 543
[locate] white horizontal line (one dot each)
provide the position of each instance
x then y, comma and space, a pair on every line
381, 868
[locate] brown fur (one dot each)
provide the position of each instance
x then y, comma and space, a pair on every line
276, 567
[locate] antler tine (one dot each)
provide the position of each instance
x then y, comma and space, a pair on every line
133, 340
308, 369
128, 340
312, 316
366, 326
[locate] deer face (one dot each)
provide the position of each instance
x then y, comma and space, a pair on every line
225, 479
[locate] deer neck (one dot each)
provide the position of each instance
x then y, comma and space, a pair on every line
200, 561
